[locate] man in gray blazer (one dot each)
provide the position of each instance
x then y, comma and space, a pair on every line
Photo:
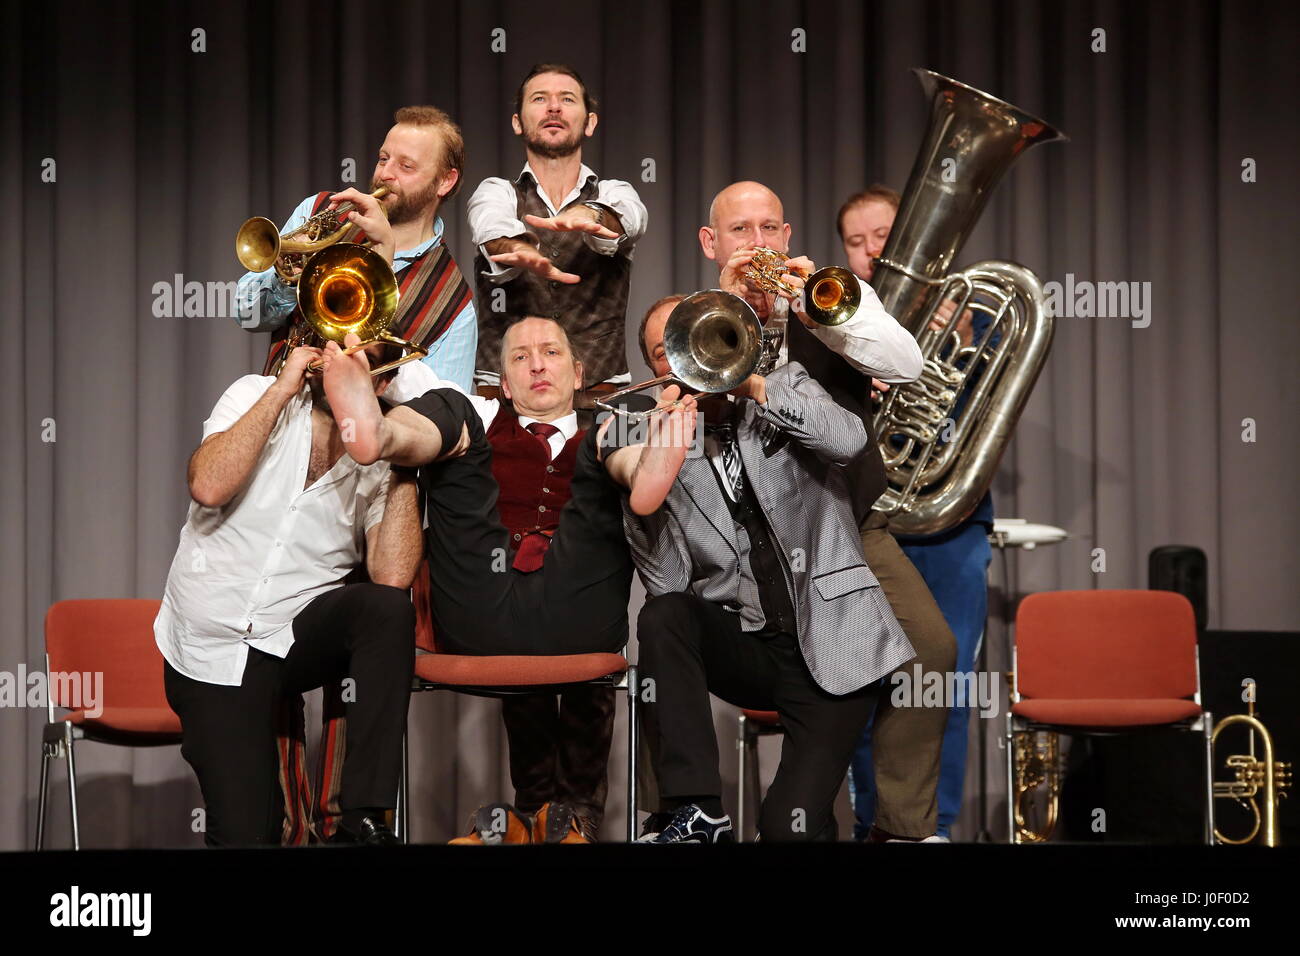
759, 593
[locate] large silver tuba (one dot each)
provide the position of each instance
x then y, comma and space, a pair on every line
939, 459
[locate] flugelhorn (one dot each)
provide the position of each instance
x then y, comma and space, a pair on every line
831, 295
712, 341
259, 244
1254, 779
939, 460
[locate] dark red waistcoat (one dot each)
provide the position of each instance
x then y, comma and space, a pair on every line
534, 489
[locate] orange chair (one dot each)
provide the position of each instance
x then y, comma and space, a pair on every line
109, 642
1105, 662
753, 724
505, 675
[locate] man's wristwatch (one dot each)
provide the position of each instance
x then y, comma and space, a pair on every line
602, 219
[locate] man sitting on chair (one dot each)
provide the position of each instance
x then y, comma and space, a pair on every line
477, 605
559, 752
255, 607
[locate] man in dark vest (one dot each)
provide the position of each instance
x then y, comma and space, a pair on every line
557, 241
420, 163
843, 359
559, 748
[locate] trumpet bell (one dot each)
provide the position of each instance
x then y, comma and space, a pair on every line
257, 244
832, 295
713, 341
348, 288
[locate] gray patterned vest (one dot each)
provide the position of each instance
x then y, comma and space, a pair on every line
593, 312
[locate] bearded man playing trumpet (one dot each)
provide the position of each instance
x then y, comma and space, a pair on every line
844, 359
418, 168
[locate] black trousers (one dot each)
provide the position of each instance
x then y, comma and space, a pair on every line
559, 748
576, 603
365, 632
691, 648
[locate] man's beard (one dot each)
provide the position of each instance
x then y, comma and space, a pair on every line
318, 397
409, 207
553, 151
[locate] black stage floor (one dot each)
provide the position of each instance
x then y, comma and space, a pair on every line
962, 890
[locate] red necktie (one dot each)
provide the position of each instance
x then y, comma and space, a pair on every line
543, 431
532, 550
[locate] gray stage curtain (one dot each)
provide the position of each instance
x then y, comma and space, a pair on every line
1133, 438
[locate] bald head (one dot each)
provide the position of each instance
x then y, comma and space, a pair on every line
742, 216
743, 195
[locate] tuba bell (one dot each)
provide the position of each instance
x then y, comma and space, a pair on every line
712, 341
943, 435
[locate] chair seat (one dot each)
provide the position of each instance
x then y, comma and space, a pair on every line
509, 670
1106, 713
129, 720
769, 717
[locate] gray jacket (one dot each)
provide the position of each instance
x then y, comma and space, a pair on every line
794, 451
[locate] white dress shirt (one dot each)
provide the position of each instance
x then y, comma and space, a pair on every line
244, 571
873, 342
493, 214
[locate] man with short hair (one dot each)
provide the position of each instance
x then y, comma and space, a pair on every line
255, 607
844, 359
954, 563
759, 594
420, 163
559, 752
556, 241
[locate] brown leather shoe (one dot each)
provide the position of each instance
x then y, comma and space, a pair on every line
560, 823
494, 825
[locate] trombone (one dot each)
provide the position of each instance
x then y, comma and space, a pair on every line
712, 341
342, 286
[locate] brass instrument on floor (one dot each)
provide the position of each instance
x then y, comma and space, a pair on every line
1037, 763
939, 459
259, 245
712, 341
1254, 779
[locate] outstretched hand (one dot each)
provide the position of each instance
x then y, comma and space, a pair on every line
570, 221
528, 257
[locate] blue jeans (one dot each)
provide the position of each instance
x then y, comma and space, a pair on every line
955, 567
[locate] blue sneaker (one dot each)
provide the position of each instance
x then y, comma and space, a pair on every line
690, 825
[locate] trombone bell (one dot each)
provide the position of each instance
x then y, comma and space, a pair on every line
712, 340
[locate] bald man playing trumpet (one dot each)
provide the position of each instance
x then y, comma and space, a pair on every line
844, 359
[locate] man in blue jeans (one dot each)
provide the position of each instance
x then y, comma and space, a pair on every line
954, 563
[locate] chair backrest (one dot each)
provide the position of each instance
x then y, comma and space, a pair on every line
1106, 644
112, 638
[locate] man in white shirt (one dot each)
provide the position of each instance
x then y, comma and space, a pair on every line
557, 241
255, 607
843, 359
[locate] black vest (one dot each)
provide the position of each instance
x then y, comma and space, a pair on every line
593, 312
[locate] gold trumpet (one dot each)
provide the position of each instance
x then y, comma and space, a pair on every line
259, 244
1251, 777
832, 294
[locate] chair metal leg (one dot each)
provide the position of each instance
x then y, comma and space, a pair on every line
1207, 730
755, 782
72, 784
400, 816
45, 792
742, 728
632, 695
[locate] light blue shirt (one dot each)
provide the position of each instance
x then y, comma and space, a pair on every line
264, 302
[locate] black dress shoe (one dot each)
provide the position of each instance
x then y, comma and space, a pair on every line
370, 832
